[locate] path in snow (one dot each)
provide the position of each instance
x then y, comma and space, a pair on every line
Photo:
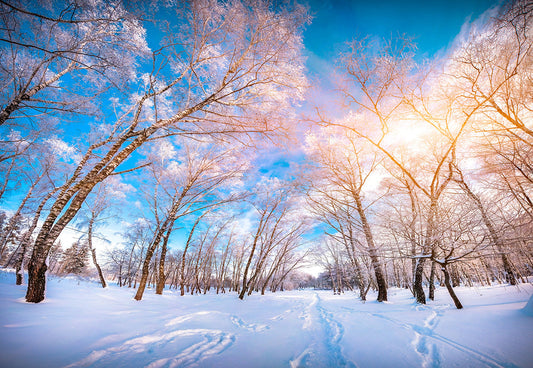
325, 349
427, 350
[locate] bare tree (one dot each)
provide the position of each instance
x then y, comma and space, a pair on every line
227, 72
346, 167
381, 86
494, 236
42, 47
97, 205
266, 215
192, 186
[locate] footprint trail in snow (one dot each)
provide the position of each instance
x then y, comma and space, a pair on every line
324, 349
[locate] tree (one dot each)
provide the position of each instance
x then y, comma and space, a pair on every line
75, 259
11, 232
44, 49
36, 174
224, 69
91, 216
190, 186
384, 93
494, 236
346, 167
184, 254
276, 233
271, 204
493, 65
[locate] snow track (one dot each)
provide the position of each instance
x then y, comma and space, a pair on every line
324, 349
248, 326
334, 333
204, 343
427, 350
168, 346
425, 339
211, 342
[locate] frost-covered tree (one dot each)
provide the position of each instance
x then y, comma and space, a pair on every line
223, 69
345, 166
278, 225
194, 179
75, 259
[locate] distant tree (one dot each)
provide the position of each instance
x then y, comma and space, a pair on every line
275, 236
183, 188
117, 261
75, 259
11, 233
107, 193
55, 257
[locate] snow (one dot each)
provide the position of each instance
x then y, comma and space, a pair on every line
528, 309
80, 324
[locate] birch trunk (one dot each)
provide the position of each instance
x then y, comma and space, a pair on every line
160, 286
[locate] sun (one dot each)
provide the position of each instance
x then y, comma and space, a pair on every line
411, 135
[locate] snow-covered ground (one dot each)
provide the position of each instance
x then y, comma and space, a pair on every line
80, 324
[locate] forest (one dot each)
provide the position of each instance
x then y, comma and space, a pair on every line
185, 146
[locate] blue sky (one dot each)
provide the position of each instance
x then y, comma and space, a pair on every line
433, 24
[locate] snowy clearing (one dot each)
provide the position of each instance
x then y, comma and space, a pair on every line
80, 324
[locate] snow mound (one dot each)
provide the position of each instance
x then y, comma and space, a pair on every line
528, 309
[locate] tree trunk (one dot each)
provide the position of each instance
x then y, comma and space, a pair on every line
98, 268
246, 268
376, 265
120, 275
450, 288
161, 277
245, 275
36, 281
350, 247
50, 231
93, 251
431, 295
27, 236
145, 271
456, 281
7, 176
160, 231
19, 265
260, 228
418, 288
183, 256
